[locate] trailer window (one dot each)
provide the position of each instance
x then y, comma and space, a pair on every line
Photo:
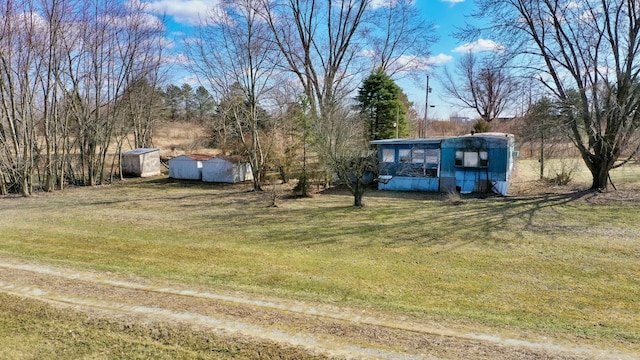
417, 156
431, 163
459, 158
404, 155
424, 162
388, 155
472, 159
484, 158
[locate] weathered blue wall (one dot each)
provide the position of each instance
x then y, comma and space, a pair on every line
493, 177
499, 150
405, 183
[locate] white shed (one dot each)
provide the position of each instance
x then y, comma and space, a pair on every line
187, 167
141, 162
227, 169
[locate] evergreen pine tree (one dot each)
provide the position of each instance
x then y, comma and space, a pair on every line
380, 102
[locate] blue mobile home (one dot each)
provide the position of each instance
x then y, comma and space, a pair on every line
473, 163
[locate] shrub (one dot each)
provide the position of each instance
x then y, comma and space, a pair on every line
481, 126
563, 174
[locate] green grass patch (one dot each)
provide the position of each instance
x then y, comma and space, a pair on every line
34, 330
556, 263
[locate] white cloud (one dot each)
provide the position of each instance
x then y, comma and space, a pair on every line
572, 5
367, 53
192, 80
479, 46
409, 63
453, 2
414, 63
167, 43
439, 59
146, 21
189, 12
177, 59
376, 4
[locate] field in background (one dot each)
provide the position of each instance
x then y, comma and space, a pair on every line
178, 138
526, 178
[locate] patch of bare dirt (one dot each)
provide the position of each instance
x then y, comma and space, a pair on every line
318, 329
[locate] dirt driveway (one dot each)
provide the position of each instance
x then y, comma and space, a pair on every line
319, 329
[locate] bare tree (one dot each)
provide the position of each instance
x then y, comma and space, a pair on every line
349, 154
542, 127
114, 47
325, 45
400, 38
65, 64
234, 52
143, 107
288, 135
586, 53
320, 43
479, 86
19, 42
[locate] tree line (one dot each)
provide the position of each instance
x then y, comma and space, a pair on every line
577, 63
582, 56
306, 59
70, 80
80, 80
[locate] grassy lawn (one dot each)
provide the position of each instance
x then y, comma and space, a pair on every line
35, 330
560, 264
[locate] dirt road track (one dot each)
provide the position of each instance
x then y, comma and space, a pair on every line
321, 329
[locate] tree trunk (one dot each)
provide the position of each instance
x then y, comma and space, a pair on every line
24, 181
357, 199
3, 184
358, 194
599, 169
600, 178
257, 185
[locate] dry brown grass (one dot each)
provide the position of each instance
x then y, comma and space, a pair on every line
177, 138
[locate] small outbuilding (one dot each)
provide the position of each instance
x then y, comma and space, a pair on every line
480, 162
141, 162
226, 169
187, 167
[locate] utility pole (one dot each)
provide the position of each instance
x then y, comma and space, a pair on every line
397, 119
426, 110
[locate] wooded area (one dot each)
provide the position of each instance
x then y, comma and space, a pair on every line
281, 80
76, 80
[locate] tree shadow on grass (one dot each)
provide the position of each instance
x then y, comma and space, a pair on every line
476, 219
434, 221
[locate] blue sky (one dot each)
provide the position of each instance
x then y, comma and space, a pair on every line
181, 15
445, 15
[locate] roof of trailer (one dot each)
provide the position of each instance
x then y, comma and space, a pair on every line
493, 135
406, 141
